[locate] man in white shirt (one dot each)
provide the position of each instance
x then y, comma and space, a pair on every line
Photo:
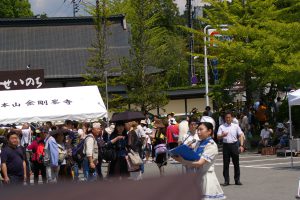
265, 134
230, 133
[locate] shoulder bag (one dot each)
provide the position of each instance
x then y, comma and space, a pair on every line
135, 157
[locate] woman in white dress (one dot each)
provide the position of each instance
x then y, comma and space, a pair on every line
207, 150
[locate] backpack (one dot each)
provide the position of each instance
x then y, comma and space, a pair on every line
62, 154
77, 151
40, 153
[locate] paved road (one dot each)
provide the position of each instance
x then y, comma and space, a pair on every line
263, 177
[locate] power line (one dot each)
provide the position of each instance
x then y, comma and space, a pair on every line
58, 9
75, 6
67, 8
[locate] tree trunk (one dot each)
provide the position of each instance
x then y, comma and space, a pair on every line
248, 88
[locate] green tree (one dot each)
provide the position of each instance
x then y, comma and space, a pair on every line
264, 49
166, 41
15, 9
144, 89
97, 67
119, 7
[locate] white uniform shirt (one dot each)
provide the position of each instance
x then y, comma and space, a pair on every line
233, 131
264, 134
189, 137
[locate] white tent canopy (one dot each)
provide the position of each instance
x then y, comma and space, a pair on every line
294, 99
51, 104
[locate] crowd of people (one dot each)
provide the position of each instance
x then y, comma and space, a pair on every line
260, 120
59, 152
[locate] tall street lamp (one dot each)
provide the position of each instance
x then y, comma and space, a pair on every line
205, 59
205, 65
106, 94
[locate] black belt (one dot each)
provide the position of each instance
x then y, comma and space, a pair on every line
230, 143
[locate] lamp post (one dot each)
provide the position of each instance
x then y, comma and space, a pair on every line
106, 94
205, 59
205, 65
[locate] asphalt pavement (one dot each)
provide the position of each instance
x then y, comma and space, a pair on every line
263, 177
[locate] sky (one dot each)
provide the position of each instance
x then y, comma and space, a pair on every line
64, 8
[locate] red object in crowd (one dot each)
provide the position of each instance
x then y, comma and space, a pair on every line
172, 129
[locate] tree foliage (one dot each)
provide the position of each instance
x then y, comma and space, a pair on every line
167, 44
15, 9
145, 90
98, 70
264, 47
156, 44
158, 58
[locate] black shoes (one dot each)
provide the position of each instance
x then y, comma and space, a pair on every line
226, 183
238, 183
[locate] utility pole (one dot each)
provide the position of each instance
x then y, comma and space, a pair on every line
75, 7
191, 40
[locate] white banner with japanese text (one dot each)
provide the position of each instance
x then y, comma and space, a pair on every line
51, 104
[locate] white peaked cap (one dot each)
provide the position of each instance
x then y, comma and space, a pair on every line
208, 119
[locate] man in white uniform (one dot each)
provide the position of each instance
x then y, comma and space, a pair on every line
230, 133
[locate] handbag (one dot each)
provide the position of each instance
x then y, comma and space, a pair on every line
160, 148
62, 154
109, 153
135, 157
130, 166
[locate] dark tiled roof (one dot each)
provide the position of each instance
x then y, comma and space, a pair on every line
173, 94
187, 93
57, 45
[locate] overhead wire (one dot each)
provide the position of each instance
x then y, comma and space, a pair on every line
53, 13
